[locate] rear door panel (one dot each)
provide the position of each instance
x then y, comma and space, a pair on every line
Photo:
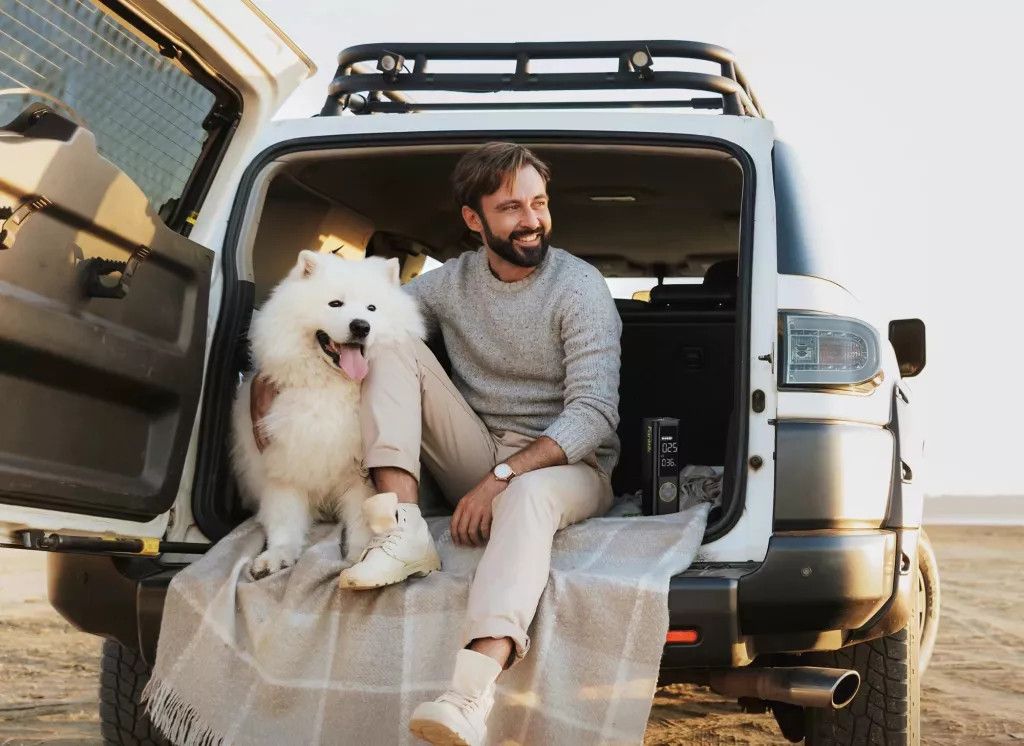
98, 394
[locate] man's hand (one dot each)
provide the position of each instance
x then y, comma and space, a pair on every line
471, 523
261, 396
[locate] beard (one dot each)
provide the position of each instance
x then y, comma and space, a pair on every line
507, 250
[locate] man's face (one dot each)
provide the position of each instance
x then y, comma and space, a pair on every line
514, 221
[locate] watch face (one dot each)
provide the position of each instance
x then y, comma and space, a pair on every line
503, 471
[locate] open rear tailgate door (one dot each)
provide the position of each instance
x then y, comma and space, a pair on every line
121, 118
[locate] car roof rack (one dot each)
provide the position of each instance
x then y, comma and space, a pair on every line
369, 73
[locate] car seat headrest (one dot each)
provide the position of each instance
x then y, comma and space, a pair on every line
718, 291
722, 274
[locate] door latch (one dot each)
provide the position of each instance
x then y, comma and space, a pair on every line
108, 278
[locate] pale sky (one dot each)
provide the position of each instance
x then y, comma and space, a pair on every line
907, 118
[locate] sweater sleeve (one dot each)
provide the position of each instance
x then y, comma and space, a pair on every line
425, 289
591, 330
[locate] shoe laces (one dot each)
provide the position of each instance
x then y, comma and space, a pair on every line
462, 701
386, 541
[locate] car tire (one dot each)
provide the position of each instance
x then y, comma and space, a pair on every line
887, 708
929, 598
123, 720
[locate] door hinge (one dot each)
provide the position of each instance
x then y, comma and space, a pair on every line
34, 538
219, 116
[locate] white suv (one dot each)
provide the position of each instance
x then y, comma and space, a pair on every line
148, 204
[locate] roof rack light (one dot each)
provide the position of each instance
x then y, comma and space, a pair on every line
390, 65
357, 88
642, 63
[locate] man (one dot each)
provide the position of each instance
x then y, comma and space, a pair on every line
521, 438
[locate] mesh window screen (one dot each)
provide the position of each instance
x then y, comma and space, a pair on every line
145, 112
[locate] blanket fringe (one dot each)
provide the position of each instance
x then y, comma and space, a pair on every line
177, 719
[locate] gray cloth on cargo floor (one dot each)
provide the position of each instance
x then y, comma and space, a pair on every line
291, 659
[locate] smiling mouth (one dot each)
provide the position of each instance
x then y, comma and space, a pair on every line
349, 357
528, 239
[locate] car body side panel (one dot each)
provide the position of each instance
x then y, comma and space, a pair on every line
832, 475
913, 465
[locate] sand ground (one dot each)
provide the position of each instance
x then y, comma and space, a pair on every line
972, 694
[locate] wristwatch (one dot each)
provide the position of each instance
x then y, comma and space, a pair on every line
503, 472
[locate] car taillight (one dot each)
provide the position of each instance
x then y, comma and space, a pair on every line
683, 636
818, 350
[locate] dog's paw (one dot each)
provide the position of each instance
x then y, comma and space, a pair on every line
274, 559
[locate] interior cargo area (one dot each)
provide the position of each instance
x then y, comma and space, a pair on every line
661, 223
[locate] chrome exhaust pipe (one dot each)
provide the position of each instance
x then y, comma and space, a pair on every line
807, 686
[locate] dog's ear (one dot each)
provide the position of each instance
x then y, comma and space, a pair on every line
307, 264
393, 270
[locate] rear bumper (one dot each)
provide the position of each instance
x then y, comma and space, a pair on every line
118, 597
814, 591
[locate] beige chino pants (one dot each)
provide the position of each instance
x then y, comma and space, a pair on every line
411, 409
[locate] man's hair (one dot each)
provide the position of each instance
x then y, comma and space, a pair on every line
484, 169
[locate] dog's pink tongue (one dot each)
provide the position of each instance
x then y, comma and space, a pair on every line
351, 360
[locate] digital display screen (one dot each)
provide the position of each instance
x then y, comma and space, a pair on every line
668, 450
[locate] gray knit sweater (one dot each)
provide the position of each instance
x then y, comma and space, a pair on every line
537, 357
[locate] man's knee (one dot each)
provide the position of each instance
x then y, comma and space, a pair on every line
528, 495
556, 496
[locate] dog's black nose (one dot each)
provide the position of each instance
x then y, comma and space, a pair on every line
359, 327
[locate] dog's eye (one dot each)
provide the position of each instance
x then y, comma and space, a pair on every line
336, 304
371, 307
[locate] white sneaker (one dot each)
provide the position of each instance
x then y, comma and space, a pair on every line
401, 546
459, 716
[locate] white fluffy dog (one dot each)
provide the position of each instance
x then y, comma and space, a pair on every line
314, 339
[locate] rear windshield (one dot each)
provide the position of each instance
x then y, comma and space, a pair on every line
145, 111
